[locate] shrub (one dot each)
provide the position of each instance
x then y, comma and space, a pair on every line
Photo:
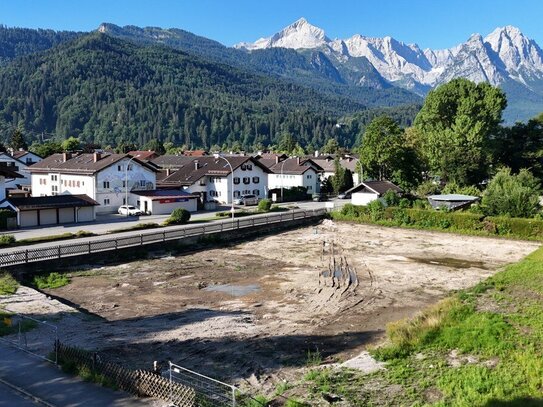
179, 216
376, 209
8, 285
6, 240
264, 205
526, 228
512, 195
427, 188
391, 198
53, 280
404, 203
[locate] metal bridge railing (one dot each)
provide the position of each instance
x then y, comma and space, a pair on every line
15, 257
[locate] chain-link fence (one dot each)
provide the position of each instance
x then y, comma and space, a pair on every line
209, 392
31, 335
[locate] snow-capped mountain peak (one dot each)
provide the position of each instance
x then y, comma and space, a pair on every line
504, 55
298, 35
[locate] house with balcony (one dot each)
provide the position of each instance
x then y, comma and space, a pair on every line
103, 177
211, 178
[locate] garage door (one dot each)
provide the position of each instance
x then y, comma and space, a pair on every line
48, 217
85, 214
66, 215
28, 218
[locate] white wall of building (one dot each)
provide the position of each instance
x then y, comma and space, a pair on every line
110, 187
158, 208
363, 198
247, 180
309, 179
106, 187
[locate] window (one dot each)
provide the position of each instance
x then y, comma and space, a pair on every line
54, 189
243, 167
54, 178
129, 167
309, 176
120, 167
106, 184
256, 180
256, 192
124, 184
203, 182
78, 184
246, 180
106, 201
143, 183
124, 201
236, 180
43, 181
29, 160
246, 192
236, 194
249, 166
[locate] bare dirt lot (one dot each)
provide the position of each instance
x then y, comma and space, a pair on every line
253, 310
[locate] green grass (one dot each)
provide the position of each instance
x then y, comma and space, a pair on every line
139, 226
496, 331
8, 285
52, 280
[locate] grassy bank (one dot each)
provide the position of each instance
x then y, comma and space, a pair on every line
10, 241
480, 347
458, 222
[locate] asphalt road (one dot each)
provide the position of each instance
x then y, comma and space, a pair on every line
10, 398
47, 383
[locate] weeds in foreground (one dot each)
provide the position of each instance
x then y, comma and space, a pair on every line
52, 280
8, 285
313, 358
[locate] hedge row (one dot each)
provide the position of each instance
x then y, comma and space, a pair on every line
432, 219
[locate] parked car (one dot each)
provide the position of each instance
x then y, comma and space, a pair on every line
129, 210
246, 200
319, 198
344, 196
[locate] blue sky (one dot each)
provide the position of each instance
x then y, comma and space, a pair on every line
433, 24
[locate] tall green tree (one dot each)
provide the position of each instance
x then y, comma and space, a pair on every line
331, 146
17, 140
509, 194
71, 144
385, 154
338, 179
520, 146
456, 123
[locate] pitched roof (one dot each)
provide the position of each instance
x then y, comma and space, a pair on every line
143, 155
328, 163
51, 202
294, 166
172, 161
81, 164
377, 187
197, 167
195, 153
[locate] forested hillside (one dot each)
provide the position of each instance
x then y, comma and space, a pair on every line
16, 42
108, 91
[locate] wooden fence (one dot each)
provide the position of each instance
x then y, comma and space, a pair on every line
9, 258
141, 383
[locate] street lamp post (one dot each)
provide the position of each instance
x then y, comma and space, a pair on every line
126, 185
282, 181
217, 156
